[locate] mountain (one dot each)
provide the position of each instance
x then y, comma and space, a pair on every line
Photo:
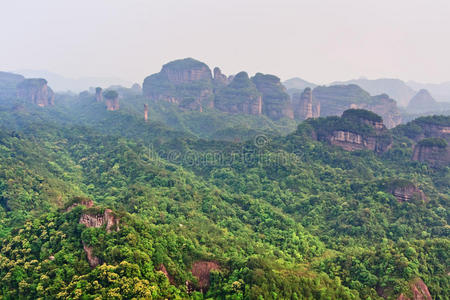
422, 102
395, 88
296, 85
439, 91
63, 84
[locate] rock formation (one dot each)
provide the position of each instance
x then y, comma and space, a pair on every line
220, 80
422, 102
405, 191
419, 291
111, 100
36, 91
8, 84
185, 82
240, 96
276, 102
357, 129
430, 127
337, 98
146, 112
98, 94
304, 107
92, 259
201, 270
98, 219
433, 151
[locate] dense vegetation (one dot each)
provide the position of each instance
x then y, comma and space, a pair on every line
285, 217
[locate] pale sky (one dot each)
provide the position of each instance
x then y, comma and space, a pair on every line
318, 40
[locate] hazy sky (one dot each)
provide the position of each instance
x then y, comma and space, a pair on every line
318, 40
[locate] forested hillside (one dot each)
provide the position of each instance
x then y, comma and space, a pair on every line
98, 203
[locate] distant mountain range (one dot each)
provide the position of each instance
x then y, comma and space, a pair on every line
62, 84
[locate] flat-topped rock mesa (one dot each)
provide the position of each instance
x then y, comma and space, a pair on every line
422, 102
36, 91
335, 99
240, 96
276, 103
405, 191
8, 84
111, 100
433, 151
429, 127
357, 129
303, 105
186, 82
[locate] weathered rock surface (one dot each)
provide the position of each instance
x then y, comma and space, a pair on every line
334, 100
276, 102
419, 291
111, 100
36, 91
185, 82
92, 259
220, 80
98, 219
436, 155
304, 107
406, 191
201, 270
240, 96
146, 112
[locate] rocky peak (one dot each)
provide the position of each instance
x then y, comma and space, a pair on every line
303, 105
99, 94
36, 91
422, 102
220, 80
185, 82
240, 96
111, 100
276, 102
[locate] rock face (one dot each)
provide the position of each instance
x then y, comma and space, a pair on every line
8, 84
334, 100
304, 107
146, 112
406, 191
97, 220
36, 91
201, 270
186, 82
111, 100
419, 291
357, 129
433, 151
276, 102
422, 102
240, 96
220, 80
98, 94
92, 259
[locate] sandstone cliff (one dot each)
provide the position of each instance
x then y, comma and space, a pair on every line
97, 219
304, 106
419, 291
405, 191
8, 85
220, 80
240, 96
36, 91
334, 100
185, 82
276, 102
434, 151
111, 100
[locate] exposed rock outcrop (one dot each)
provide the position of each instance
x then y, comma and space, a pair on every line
220, 80
98, 219
146, 112
111, 100
276, 102
240, 96
419, 291
36, 91
433, 151
163, 269
201, 270
80, 201
185, 82
92, 259
334, 100
304, 107
98, 94
406, 191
